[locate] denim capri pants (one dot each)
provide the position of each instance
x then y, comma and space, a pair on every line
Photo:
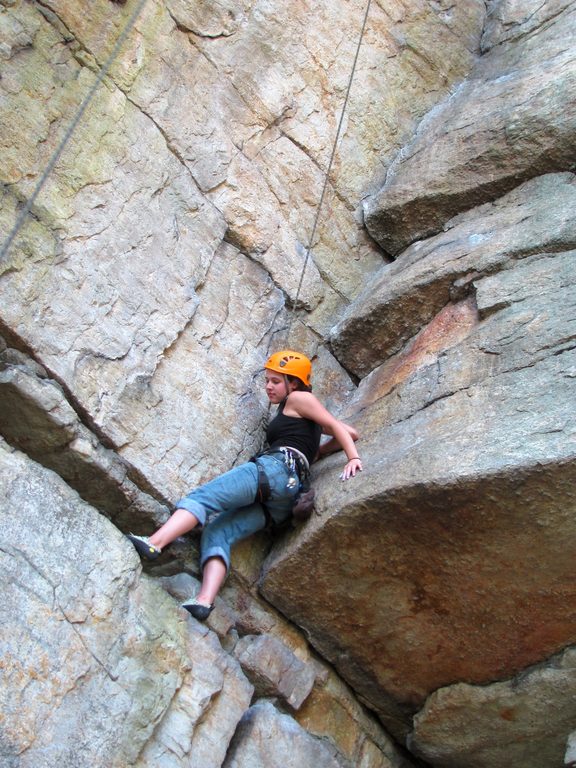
229, 503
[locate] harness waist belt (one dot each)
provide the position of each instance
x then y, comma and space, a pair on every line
296, 456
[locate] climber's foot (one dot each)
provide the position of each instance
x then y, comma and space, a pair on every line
198, 610
143, 546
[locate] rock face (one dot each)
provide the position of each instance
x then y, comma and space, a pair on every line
407, 294
427, 613
453, 548
98, 662
463, 439
451, 727
216, 124
511, 120
267, 739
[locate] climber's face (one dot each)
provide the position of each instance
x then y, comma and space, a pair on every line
277, 386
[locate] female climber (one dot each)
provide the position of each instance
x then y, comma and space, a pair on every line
237, 497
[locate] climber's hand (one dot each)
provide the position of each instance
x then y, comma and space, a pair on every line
352, 467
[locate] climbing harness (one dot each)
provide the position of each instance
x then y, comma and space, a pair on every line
331, 161
71, 128
297, 464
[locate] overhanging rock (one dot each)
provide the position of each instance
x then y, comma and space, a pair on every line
451, 557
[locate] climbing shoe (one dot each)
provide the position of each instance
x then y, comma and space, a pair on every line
199, 611
143, 547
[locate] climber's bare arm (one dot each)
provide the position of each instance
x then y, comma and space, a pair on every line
332, 445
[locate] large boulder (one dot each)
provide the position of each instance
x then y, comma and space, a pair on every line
524, 722
449, 558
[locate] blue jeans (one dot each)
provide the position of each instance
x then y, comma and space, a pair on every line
231, 497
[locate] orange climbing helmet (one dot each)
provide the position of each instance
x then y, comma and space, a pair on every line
291, 363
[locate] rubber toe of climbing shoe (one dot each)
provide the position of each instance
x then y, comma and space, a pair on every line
196, 609
143, 547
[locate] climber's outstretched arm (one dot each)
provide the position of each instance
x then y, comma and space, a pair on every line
332, 445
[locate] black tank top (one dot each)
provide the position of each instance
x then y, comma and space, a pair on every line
294, 432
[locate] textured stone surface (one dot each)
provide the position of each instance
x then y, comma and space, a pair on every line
268, 739
537, 216
105, 670
274, 669
453, 548
139, 302
508, 20
38, 419
514, 118
570, 754
333, 712
520, 723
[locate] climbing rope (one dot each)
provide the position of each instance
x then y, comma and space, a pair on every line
71, 128
329, 168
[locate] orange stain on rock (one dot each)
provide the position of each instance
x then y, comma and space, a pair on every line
450, 326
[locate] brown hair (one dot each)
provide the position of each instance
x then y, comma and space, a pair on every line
300, 384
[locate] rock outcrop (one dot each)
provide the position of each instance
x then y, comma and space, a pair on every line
97, 661
470, 444
511, 120
453, 725
426, 614
453, 549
